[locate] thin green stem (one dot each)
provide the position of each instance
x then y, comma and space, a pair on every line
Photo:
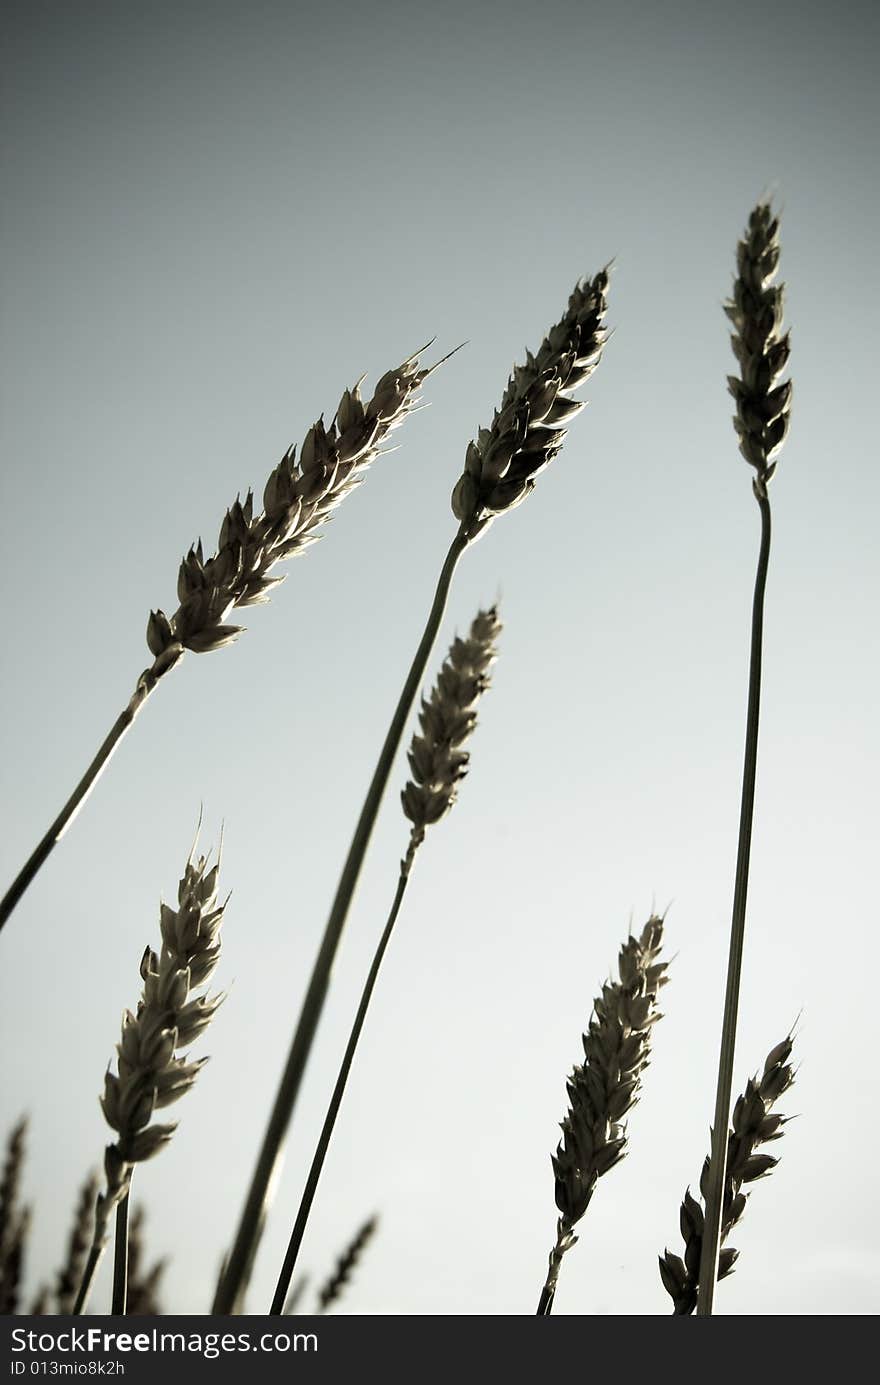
237, 1271
38, 857
718, 1158
120, 1260
311, 1187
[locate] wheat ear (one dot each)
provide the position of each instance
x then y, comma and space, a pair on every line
14, 1218
500, 469
761, 421
605, 1087
151, 1074
753, 1125
438, 764
335, 1286
298, 499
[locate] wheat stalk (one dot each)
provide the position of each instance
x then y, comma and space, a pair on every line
753, 1125
438, 764
501, 465
151, 1074
14, 1218
336, 1285
761, 421
299, 497
79, 1240
604, 1088
143, 1283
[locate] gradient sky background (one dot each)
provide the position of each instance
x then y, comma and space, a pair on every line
215, 217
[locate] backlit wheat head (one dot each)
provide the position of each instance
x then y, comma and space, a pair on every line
753, 1125
529, 429
446, 719
168, 1019
298, 499
763, 405
604, 1088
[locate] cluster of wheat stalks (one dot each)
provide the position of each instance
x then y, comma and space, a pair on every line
153, 1066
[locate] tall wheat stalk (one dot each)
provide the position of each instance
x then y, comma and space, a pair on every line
71, 1273
151, 1072
438, 765
299, 497
143, 1283
500, 471
761, 421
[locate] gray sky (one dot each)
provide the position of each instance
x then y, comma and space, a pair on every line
215, 218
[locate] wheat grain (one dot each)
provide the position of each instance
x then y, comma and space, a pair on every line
604, 1088
753, 1125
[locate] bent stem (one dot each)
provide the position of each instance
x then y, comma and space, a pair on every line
311, 1187
238, 1266
120, 1260
29, 871
718, 1158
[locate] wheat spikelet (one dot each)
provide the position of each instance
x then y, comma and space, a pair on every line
151, 1074
79, 1240
336, 1285
753, 1125
529, 429
605, 1087
763, 405
14, 1219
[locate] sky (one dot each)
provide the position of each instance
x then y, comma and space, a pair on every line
218, 216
